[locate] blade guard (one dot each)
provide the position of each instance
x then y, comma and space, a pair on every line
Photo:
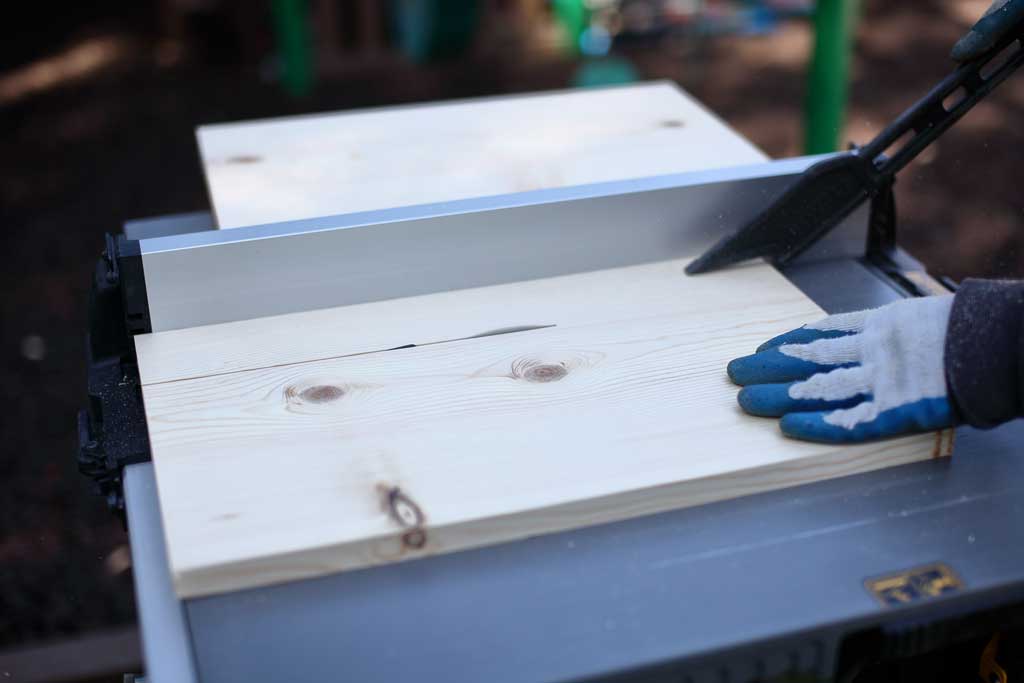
824, 195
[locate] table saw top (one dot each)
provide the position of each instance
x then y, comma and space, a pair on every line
345, 449
623, 596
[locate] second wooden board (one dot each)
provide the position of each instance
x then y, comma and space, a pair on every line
297, 470
325, 164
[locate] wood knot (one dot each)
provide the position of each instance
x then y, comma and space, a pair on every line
417, 538
541, 370
402, 508
321, 393
298, 395
545, 373
405, 513
543, 366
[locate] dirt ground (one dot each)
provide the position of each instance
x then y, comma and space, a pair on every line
79, 158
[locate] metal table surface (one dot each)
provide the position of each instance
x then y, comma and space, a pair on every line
769, 583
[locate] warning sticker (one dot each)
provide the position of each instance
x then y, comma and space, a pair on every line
912, 585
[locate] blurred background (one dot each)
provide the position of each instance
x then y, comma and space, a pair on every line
99, 102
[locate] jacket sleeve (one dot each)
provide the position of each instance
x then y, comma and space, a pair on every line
984, 352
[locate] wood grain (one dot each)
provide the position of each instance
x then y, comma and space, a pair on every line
615, 294
294, 470
300, 167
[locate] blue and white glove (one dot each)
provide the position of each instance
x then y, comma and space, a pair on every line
854, 376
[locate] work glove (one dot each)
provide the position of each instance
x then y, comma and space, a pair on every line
854, 376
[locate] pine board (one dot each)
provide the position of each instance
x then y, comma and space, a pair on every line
270, 472
571, 300
320, 165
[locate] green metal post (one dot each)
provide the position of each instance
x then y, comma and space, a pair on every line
574, 17
828, 78
291, 26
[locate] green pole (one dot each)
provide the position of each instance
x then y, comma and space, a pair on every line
574, 17
291, 27
828, 78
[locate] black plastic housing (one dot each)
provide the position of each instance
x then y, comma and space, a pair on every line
112, 429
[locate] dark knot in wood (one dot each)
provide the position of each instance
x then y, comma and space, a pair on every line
321, 393
407, 514
545, 373
417, 538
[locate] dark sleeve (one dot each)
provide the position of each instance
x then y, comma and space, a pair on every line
984, 353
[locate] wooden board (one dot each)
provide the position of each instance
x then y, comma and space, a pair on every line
273, 471
305, 166
566, 301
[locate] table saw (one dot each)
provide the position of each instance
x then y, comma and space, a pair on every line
808, 582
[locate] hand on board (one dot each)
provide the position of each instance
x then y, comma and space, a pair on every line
854, 376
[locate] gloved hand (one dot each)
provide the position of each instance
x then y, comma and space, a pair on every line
854, 376
1002, 17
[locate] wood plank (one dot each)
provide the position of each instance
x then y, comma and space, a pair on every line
300, 167
298, 470
570, 300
